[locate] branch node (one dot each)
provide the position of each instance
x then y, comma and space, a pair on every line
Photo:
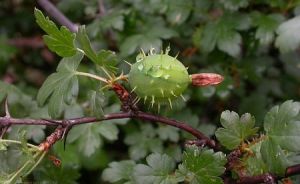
270, 179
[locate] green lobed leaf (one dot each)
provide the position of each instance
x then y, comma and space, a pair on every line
60, 41
119, 171
85, 44
48, 173
168, 133
106, 59
201, 166
236, 129
274, 157
230, 42
112, 20
149, 37
266, 26
89, 137
143, 142
282, 125
178, 11
60, 87
288, 38
158, 170
223, 34
254, 162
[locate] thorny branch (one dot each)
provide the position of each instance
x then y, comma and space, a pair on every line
130, 110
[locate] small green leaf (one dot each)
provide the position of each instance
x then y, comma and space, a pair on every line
158, 170
119, 171
85, 44
274, 157
236, 129
202, 166
106, 59
60, 41
61, 86
282, 125
288, 38
223, 34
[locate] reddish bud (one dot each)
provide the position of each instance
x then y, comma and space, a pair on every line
206, 79
55, 161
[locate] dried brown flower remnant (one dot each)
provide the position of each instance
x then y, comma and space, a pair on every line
206, 79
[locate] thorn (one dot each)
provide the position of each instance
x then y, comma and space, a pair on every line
168, 49
152, 101
66, 129
133, 89
183, 97
176, 55
128, 63
65, 135
136, 101
7, 114
172, 92
170, 103
162, 92
145, 99
152, 51
3, 131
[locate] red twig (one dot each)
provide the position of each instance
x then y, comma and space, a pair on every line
52, 139
33, 42
136, 115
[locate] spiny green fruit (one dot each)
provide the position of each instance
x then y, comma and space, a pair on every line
158, 78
